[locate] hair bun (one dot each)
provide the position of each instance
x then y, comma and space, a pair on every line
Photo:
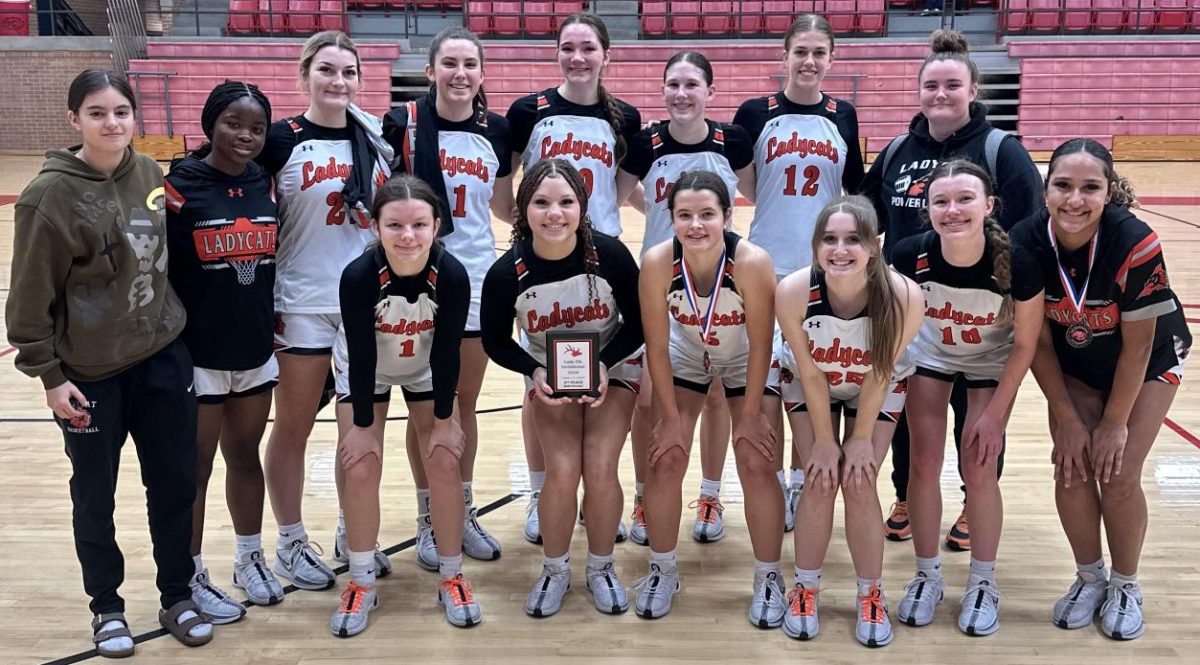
948, 41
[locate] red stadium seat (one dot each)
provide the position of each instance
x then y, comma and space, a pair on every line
272, 16
752, 18
1196, 15
872, 14
506, 18
243, 15
333, 15
716, 17
539, 18
1078, 17
1142, 15
1017, 18
1108, 20
654, 18
778, 16
840, 14
1045, 20
1173, 14
302, 16
479, 17
685, 18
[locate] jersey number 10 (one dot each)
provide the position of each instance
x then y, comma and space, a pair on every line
969, 336
811, 175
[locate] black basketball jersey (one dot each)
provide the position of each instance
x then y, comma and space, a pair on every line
1127, 280
221, 233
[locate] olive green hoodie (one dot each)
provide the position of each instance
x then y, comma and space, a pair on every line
89, 294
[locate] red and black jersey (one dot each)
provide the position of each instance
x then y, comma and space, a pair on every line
1128, 281
221, 234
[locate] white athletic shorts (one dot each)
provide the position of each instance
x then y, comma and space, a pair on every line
214, 386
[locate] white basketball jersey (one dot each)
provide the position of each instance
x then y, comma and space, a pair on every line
799, 160
727, 342
664, 173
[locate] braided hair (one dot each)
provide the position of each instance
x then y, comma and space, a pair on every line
997, 237
222, 97
558, 168
612, 111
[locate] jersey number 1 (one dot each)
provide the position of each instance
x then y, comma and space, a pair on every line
811, 175
460, 201
406, 348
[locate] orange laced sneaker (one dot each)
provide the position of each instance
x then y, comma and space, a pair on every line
709, 527
458, 602
958, 538
897, 527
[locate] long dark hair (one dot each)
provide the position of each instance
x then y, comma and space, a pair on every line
613, 112
883, 305
695, 58
557, 168
95, 80
458, 32
706, 181
997, 237
1119, 187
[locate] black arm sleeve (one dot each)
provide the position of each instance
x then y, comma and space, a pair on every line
847, 124
872, 188
358, 292
619, 269
521, 116
739, 149
904, 255
1028, 273
1019, 185
496, 316
752, 116
395, 123
637, 159
498, 134
277, 148
453, 299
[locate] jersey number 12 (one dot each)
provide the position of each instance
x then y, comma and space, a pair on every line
811, 175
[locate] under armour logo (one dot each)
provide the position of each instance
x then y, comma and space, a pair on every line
236, 192
549, 123
530, 294
662, 164
926, 287
814, 324
307, 147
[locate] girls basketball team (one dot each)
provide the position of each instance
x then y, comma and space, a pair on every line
172, 310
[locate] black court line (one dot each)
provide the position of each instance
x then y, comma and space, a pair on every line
155, 634
1173, 219
497, 409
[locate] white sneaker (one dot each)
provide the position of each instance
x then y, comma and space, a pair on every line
656, 591
1081, 604
873, 628
533, 526
767, 607
922, 595
546, 597
341, 554
608, 593
637, 523
709, 526
213, 601
301, 563
427, 555
800, 621
477, 543
979, 612
350, 618
791, 500
1121, 615
256, 580
456, 599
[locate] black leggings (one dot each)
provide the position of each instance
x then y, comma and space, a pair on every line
900, 443
155, 404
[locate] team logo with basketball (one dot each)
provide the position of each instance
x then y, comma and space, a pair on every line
241, 244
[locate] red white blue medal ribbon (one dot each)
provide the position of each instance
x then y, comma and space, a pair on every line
709, 317
1077, 298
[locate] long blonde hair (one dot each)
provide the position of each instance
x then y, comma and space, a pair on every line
883, 306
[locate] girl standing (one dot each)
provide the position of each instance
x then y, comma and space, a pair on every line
981, 327
221, 228
1109, 359
403, 304
707, 314
847, 321
559, 275
327, 163
469, 170
658, 156
91, 314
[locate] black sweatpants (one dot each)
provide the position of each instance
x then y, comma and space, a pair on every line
900, 443
155, 404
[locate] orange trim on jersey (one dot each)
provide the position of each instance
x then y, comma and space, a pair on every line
173, 198
1142, 253
922, 263
293, 124
719, 136
814, 294
542, 102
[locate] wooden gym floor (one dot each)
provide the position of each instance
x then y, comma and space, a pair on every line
44, 616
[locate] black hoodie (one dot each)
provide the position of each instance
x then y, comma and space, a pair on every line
221, 231
899, 194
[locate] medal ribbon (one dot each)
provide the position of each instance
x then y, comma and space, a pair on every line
1077, 297
689, 288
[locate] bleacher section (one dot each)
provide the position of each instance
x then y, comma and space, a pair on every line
1099, 16
196, 67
